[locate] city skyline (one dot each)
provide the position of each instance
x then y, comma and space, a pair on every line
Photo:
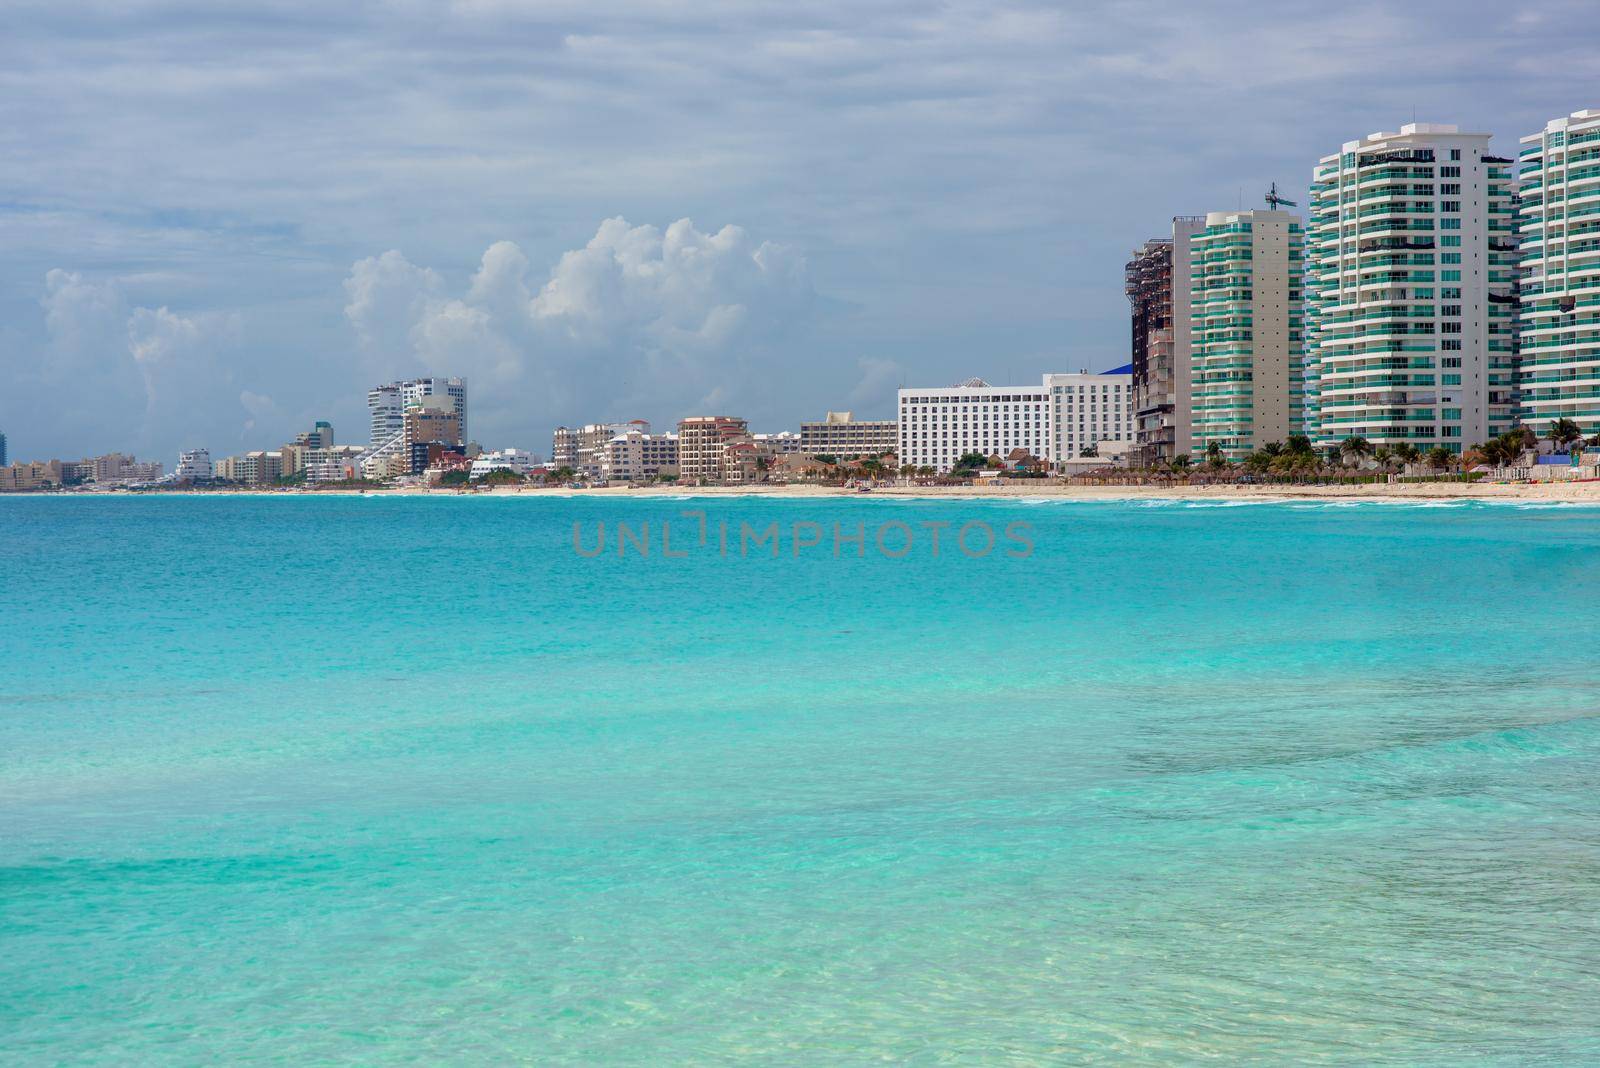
879, 199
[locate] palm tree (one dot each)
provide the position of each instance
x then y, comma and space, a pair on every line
1214, 456
1406, 453
1180, 464
1299, 443
1563, 432
1355, 448
1384, 456
1440, 458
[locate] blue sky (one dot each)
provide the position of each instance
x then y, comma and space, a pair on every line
219, 223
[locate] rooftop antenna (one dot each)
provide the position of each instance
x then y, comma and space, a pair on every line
1273, 199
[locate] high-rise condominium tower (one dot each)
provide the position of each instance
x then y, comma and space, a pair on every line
1411, 289
1560, 245
388, 403
1246, 273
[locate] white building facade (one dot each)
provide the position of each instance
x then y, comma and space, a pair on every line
517, 461
1559, 231
1089, 413
194, 465
1061, 417
639, 456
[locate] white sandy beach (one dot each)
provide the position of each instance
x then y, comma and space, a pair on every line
1578, 492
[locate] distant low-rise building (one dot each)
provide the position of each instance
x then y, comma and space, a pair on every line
113, 469
841, 434
783, 443
194, 465
16, 478
517, 461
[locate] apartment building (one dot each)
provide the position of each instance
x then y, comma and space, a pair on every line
1558, 227
703, 443
194, 465
639, 456
1411, 291
594, 440
841, 434
1248, 341
564, 447
15, 478
387, 404
781, 443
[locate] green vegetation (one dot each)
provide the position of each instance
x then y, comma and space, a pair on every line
1503, 451
1563, 432
1355, 449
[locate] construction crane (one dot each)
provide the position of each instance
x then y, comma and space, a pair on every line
1273, 199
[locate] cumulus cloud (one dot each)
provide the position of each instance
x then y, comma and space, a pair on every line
126, 374
639, 321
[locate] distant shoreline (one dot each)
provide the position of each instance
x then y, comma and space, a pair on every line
1576, 492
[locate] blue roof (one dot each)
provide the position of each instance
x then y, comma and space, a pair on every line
1125, 369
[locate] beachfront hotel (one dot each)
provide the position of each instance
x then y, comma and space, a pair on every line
1411, 264
1063, 417
1162, 333
1559, 231
1246, 276
841, 434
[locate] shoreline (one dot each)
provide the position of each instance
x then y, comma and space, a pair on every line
1399, 493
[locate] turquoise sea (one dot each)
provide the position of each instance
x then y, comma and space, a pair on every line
395, 780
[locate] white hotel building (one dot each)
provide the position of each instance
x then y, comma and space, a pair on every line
1057, 420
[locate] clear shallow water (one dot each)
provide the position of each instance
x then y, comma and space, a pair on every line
399, 780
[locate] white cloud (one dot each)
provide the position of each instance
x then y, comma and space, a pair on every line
384, 296
638, 318
132, 372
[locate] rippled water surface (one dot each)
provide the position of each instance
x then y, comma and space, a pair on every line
397, 780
